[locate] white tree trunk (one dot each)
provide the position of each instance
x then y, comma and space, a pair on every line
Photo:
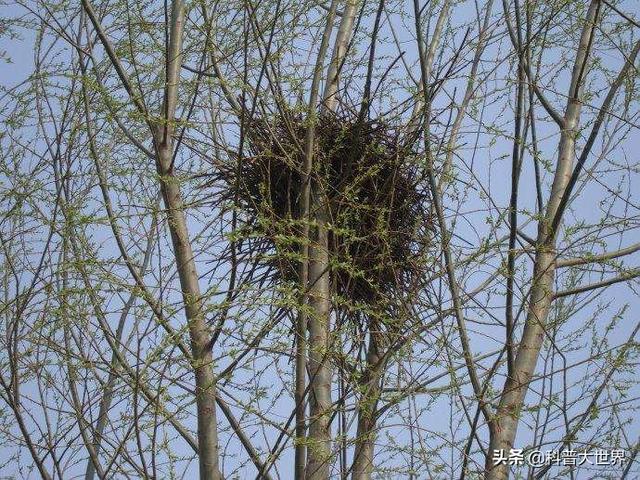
505, 423
320, 403
202, 358
367, 411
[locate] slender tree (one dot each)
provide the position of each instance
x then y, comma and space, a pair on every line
291, 239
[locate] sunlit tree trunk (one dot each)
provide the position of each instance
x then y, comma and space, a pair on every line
202, 359
371, 389
504, 426
320, 373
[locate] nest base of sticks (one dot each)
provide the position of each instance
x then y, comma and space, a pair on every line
365, 182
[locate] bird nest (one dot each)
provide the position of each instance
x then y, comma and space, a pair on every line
367, 180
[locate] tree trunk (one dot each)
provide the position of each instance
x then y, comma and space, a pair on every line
302, 319
320, 404
199, 333
505, 423
202, 358
367, 411
330, 96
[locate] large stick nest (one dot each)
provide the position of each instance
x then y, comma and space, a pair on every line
366, 178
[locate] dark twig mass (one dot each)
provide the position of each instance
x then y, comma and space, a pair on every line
377, 213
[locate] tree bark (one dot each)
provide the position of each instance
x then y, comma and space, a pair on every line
368, 411
320, 403
330, 97
202, 358
504, 426
302, 319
